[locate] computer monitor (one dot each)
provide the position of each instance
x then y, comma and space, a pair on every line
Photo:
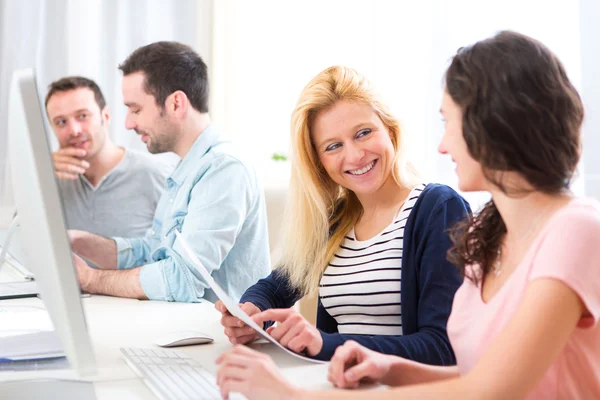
44, 238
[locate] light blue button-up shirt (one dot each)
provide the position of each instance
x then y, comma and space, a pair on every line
213, 198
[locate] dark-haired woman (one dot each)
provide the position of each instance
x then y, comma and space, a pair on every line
525, 322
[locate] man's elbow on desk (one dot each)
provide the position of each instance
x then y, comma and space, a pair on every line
168, 280
118, 283
143, 283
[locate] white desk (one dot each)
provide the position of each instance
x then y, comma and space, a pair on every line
114, 323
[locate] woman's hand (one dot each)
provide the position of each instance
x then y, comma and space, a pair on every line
254, 375
293, 330
235, 329
352, 363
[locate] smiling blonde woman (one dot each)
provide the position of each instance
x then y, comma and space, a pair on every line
361, 231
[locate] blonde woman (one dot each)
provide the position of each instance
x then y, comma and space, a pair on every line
524, 323
361, 231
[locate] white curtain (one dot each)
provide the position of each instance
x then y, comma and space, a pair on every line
18, 48
267, 50
261, 53
590, 84
89, 38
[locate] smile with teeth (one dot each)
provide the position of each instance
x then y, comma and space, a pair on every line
364, 169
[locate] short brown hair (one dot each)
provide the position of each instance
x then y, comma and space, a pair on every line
76, 82
168, 67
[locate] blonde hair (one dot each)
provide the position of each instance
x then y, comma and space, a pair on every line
319, 212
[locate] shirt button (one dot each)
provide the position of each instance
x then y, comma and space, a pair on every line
171, 200
153, 233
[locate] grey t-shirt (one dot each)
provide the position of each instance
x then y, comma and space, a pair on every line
123, 202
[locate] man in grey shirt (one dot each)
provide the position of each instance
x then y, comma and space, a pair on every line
106, 189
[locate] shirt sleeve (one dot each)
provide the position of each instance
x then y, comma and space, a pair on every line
274, 291
132, 252
570, 253
218, 205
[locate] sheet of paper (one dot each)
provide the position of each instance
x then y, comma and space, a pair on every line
18, 320
31, 346
231, 305
15, 290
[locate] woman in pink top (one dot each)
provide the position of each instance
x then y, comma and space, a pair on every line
524, 323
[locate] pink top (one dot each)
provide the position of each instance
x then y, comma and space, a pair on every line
567, 249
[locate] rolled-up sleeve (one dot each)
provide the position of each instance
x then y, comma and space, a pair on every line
170, 279
132, 252
153, 283
217, 207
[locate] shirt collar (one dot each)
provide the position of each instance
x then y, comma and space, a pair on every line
200, 147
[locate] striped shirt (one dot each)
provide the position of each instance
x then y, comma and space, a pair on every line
360, 287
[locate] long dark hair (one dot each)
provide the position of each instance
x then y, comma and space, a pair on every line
520, 113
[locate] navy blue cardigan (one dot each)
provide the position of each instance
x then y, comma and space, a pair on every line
428, 284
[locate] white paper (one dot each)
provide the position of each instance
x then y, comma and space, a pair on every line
232, 306
31, 346
18, 320
26, 334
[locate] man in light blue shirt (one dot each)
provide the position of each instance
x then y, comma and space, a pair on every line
213, 197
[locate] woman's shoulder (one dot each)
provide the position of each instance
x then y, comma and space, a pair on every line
435, 195
581, 212
583, 204
438, 208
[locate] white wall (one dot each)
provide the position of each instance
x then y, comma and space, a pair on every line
18, 49
267, 50
590, 85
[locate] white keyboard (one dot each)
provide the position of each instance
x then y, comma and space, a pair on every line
172, 375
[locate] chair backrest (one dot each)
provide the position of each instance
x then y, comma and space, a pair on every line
275, 198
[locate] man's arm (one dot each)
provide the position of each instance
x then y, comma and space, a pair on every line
120, 283
98, 249
217, 208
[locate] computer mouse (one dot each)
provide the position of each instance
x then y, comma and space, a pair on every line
183, 338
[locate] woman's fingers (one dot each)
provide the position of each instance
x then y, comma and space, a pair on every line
244, 339
234, 369
274, 314
231, 321
235, 329
301, 342
286, 318
221, 307
291, 333
365, 369
344, 357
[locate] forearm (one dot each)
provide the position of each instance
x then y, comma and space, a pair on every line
406, 372
429, 346
120, 283
98, 249
271, 292
448, 389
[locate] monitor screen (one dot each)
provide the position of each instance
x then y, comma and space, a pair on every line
44, 238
